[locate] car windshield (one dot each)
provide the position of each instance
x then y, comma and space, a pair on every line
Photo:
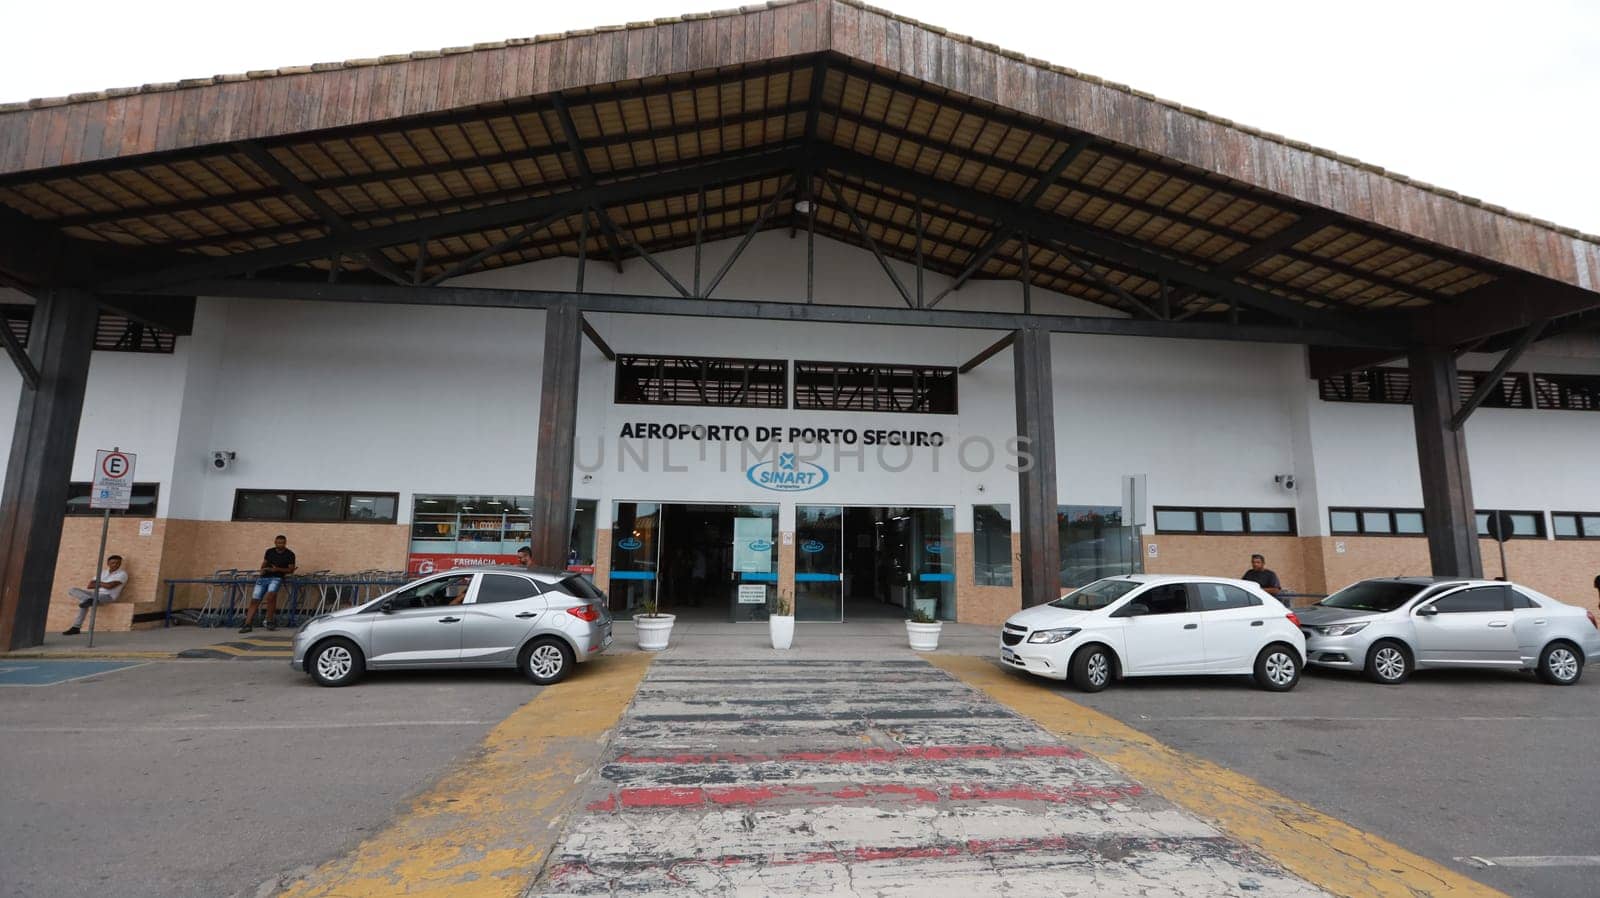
1374, 595
1096, 595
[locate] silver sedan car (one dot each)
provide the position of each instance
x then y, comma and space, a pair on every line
541, 622
1389, 627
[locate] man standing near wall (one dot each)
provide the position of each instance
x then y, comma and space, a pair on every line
277, 563
1262, 576
106, 588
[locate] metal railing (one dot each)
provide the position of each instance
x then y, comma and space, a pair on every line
228, 592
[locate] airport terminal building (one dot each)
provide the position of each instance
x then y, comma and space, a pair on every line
802, 299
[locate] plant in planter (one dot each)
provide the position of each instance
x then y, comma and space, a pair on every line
922, 630
652, 627
780, 623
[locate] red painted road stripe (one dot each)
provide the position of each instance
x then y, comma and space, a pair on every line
751, 796
868, 755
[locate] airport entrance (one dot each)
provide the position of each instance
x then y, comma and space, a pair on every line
864, 562
705, 561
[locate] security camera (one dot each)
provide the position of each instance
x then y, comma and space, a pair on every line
1284, 480
221, 459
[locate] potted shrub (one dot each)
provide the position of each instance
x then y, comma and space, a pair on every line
923, 631
652, 627
780, 623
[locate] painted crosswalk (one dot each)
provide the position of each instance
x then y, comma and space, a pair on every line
877, 778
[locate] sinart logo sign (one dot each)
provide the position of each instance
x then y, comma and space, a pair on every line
787, 474
629, 543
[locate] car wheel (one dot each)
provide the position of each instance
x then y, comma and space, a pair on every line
1388, 663
1560, 664
546, 661
336, 662
1090, 670
1277, 668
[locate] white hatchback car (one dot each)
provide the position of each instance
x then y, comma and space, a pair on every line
1157, 625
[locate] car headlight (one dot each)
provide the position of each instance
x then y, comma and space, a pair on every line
1342, 629
1047, 637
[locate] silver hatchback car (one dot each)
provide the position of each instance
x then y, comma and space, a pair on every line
541, 622
1389, 627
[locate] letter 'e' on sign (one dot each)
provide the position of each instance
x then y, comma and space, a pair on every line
113, 479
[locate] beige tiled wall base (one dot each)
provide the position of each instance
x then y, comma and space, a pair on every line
1229, 556
602, 559
75, 567
786, 565
984, 605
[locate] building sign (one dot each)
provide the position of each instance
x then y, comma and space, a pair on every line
422, 564
113, 479
812, 546
818, 436
752, 594
787, 474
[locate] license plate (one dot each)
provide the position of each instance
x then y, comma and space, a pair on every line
1008, 655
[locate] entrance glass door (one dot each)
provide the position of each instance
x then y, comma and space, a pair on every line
933, 569
755, 562
635, 544
819, 563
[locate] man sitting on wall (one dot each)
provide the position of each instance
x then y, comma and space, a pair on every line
1262, 576
278, 562
105, 588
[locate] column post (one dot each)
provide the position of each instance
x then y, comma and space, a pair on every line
34, 503
558, 423
1035, 395
1442, 461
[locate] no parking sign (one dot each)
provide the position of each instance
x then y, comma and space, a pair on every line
113, 479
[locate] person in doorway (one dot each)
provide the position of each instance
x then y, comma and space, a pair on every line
99, 591
525, 557
276, 563
1597, 585
1262, 576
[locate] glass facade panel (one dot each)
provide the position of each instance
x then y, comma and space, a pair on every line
1269, 522
580, 546
1375, 521
991, 545
1223, 521
934, 589
259, 506
1565, 524
1094, 544
1409, 522
471, 525
1591, 525
1525, 525
318, 507
362, 507
1176, 521
1344, 522
635, 539
818, 563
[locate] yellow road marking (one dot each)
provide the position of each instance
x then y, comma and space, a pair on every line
485, 828
1327, 852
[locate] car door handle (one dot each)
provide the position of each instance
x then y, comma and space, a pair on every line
1191, 626
1257, 623
449, 620
1497, 624
527, 614
1541, 621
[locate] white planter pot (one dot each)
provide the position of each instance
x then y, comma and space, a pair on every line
653, 632
782, 631
923, 637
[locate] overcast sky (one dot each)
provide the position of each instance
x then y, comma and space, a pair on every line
1498, 100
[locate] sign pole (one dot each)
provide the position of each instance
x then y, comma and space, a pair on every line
100, 563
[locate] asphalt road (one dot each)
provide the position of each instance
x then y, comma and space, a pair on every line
1453, 764
202, 778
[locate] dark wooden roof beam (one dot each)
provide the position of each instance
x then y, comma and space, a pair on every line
586, 180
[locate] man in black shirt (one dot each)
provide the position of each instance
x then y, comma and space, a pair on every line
277, 563
1262, 576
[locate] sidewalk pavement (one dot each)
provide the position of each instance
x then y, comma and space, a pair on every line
154, 644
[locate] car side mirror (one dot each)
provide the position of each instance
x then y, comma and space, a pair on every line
1429, 611
387, 607
1134, 609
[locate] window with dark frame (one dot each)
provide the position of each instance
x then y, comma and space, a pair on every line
857, 387
141, 504
692, 380
315, 506
1392, 386
1376, 522
1567, 392
1575, 524
1524, 524
112, 332
1229, 521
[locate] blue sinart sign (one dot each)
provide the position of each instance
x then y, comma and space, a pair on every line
760, 545
629, 542
935, 548
787, 474
812, 545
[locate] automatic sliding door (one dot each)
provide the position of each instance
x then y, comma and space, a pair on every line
934, 562
755, 561
818, 563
